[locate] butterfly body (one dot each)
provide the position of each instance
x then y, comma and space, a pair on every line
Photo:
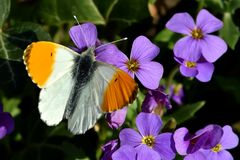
75, 86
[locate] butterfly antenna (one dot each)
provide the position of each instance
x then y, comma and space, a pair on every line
75, 17
123, 39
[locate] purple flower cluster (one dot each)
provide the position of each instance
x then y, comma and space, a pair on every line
147, 142
198, 49
209, 143
6, 123
195, 53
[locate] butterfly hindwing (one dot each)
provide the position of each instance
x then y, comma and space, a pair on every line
53, 99
101, 94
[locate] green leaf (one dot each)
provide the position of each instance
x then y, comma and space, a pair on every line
56, 12
229, 32
185, 113
11, 105
85, 10
4, 11
130, 11
217, 5
73, 152
233, 5
152, 1
60, 130
59, 11
230, 85
168, 37
15, 39
106, 7
164, 36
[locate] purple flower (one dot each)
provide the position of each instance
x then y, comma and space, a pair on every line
155, 100
228, 140
140, 64
197, 42
190, 145
116, 118
148, 138
109, 148
176, 93
201, 69
6, 123
127, 152
85, 36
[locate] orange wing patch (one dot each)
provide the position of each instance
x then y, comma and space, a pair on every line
39, 58
121, 91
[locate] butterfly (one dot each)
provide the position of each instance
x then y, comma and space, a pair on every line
76, 86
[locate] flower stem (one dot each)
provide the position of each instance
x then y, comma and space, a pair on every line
172, 74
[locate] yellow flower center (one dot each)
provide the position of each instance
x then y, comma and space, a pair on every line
132, 65
177, 88
190, 64
217, 148
148, 140
197, 33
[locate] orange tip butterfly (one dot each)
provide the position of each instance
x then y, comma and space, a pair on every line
76, 86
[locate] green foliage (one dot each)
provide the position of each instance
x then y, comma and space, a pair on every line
230, 85
230, 32
185, 113
17, 37
11, 105
168, 37
4, 10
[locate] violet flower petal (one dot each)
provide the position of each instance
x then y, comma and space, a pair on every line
163, 145
222, 155
207, 22
144, 152
212, 47
205, 71
125, 153
110, 54
150, 74
109, 148
229, 139
3, 131
188, 72
7, 121
1, 108
148, 124
124, 68
143, 50
130, 137
84, 35
195, 156
181, 143
181, 23
75, 49
211, 134
116, 118
149, 103
188, 49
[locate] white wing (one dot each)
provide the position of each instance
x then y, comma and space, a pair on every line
88, 108
53, 99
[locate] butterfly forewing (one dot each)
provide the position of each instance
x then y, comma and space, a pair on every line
46, 62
